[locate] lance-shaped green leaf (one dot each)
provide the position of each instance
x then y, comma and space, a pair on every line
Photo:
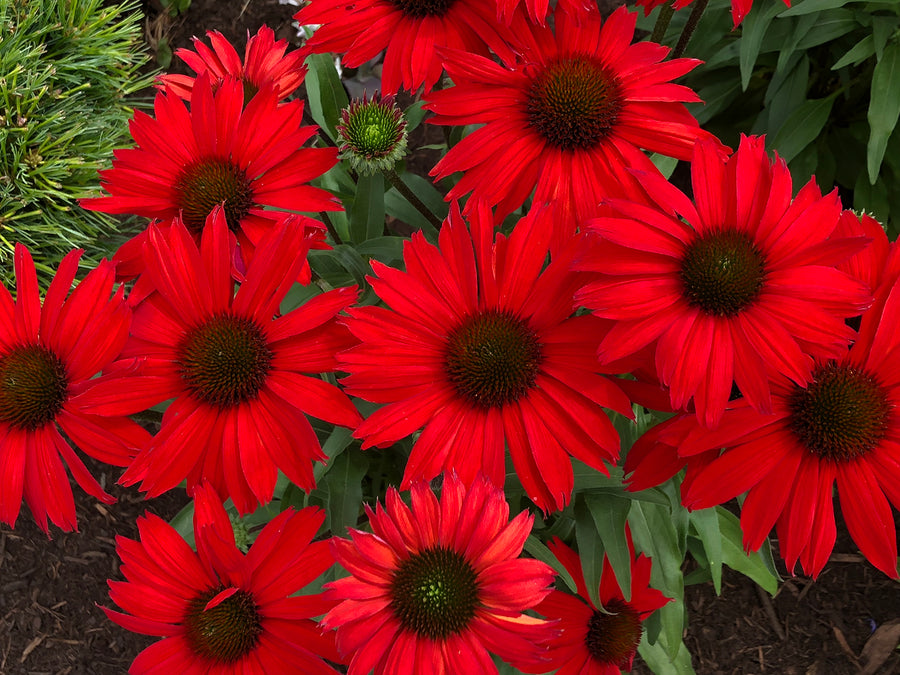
609, 513
367, 212
802, 127
343, 488
538, 550
754, 30
590, 549
753, 565
884, 107
706, 525
325, 93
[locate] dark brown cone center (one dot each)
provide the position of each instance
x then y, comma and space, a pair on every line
226, 632
33, 386
722, 272
492, 358
419, 9
225, 361
208, 183
574, 102
435, 593
841, 415
614, 638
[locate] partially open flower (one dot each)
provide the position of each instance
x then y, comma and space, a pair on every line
596, 641
265, 62
372, 134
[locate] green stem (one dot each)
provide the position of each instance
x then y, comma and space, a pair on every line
330, 226
662, 23
410, 196
689, 27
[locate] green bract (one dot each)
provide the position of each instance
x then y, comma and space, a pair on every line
66, 68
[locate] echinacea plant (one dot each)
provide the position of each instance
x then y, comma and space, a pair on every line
477, 425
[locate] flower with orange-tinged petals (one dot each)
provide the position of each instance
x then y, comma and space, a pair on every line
265, 63
410, 32
241, 380
50, 354
480, 348
594, 641
218, 610
741, 288
436, 586
567, 120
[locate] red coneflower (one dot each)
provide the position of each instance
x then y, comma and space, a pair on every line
250, 160
49, 356
220, 611
743, 291
567, 120
838, 427
481, 349
435, 587
265, 63
238, 375
409, 32
594, 641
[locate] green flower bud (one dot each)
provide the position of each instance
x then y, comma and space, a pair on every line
372, 134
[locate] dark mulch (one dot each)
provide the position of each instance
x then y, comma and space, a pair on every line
50, 588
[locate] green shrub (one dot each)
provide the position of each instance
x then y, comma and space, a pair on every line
67, 68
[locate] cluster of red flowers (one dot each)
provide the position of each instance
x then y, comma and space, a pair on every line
764, 322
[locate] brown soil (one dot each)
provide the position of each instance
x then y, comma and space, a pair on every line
50, 589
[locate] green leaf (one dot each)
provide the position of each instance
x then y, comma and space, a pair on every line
829, 26
706, 524
383, 249
858, 52
325, 93
873, 199
716, 96
884, 107
657, 657
590, 549
609, 513
786, 92
666, 165
754, 29
396, 205
752, 565
802, 127
802, 26
810, 6
655, 532
367, 212
539, 551
352, 261
183, 522
414, 115
343, 487
882, 29
163, 53
588, 478
299, 295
